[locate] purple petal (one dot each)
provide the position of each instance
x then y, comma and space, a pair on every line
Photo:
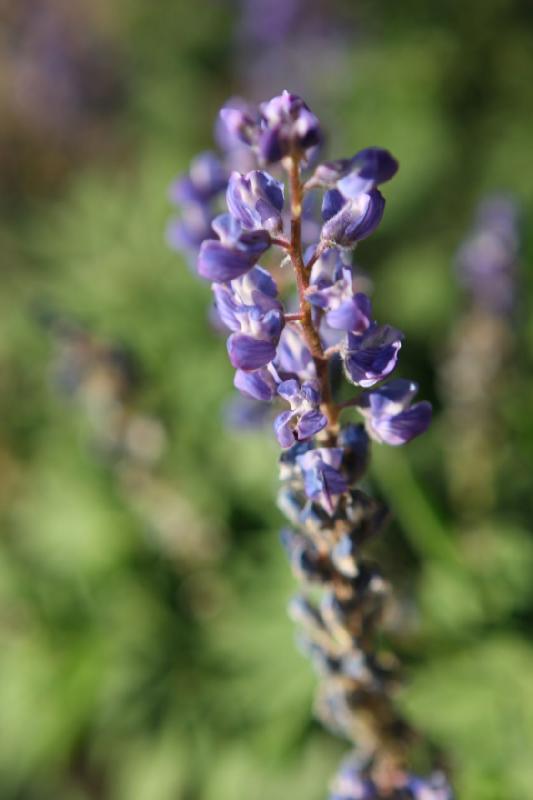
359, 229
271, 146
329, 172
272, 324
227, 228
249, 353
263, 281
370, 167
259, 385
403, 427
256, 200
218, 263
293, 356
289, 389
347, 317
356, 220
390, 399
283, 429
332, 203
372, 356
310, 424
227, 307
322, 480
239, 123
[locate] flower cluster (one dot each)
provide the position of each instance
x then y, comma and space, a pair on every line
287, 356
196, 194
479, 353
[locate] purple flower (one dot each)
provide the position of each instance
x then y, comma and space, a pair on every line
327, 268
194, 193
293, 358
243, 413
323, 482
361, 173
239, 123
370, 356
487, 261
254, 290
348, 220
389, 416
256, 200
259, 384
354, 208
248, 306
368, 169
233, 253
329, 172
288, 127
257, 287
256, 348
304, 419
207, 177
344, 310
187, 232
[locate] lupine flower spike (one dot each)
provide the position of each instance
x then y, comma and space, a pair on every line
285, 356
479, 353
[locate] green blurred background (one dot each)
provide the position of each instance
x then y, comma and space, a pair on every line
144, 649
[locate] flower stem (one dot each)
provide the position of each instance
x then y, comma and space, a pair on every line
293, 317
310, 333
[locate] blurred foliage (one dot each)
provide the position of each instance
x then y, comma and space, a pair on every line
126, 672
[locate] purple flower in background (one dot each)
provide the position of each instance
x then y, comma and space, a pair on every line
259, 384
239, 122
187, 232
244, 413
389, 415
304, 419
269, 21
206, 178
370, 356
233, 253
323, 481
256, 200
487, 262
63, 83
195, 194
